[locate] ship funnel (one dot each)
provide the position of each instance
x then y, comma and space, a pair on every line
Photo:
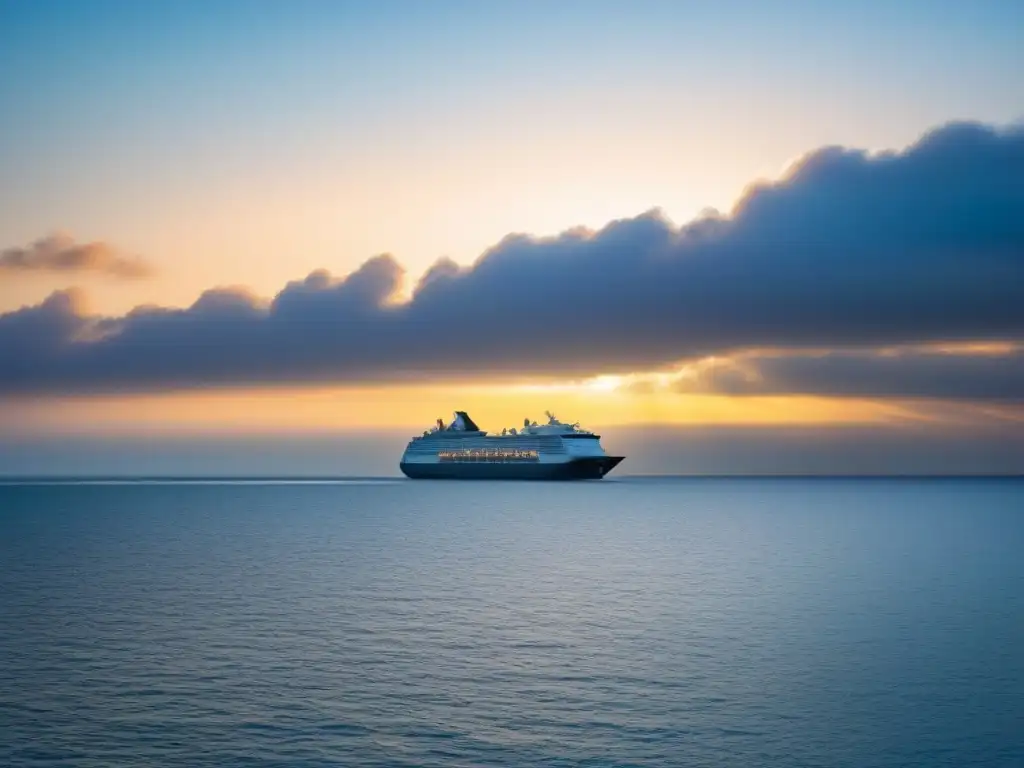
466, 423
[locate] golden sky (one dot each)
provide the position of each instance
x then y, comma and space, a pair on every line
241, 411
284, 145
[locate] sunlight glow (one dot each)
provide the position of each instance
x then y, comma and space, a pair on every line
415, 408
604, 383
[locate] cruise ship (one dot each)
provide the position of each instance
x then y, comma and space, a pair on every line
463, 451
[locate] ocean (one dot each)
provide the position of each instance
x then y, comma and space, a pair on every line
624, 622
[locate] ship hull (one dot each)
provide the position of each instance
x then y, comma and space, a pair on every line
589, 468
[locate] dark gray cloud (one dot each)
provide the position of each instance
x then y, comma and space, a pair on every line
60, 253
848, 250
907, 374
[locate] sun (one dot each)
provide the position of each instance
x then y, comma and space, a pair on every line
603, 383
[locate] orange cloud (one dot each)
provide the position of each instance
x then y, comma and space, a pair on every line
61, 253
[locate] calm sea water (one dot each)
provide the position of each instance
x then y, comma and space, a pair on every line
625, 622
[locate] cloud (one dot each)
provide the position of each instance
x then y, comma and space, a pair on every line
60, 253
848, 250
909, 374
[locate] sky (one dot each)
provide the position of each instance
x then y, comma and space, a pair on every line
739, 225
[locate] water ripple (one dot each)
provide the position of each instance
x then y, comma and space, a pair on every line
638, 624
